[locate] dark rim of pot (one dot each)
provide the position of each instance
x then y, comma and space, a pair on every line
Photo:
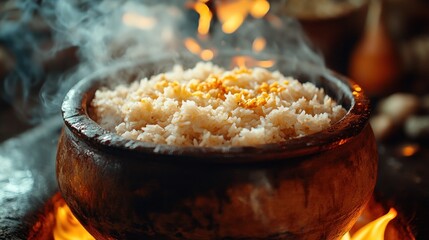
76, 115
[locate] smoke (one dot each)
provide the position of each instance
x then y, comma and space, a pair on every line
86, 35
56, 43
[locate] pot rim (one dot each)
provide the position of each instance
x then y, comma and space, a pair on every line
78, 122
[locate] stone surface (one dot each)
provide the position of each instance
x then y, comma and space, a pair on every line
27, 177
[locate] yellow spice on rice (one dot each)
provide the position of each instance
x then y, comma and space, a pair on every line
210, 106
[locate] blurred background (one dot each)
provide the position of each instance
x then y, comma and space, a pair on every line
381, 44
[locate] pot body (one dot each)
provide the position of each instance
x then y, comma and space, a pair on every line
118, 195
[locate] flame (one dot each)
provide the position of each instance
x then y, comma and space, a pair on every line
259, 8
247, 61
192, 45
259, 44
207, 54
232, 23
205, 17
231, 14
239, 61
195, 48
266, 63
67, 227
138, 21
373, 230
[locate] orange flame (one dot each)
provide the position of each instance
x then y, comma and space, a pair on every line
239, 61
207, 54
192, 45
259, 44
138, 21
247, 61
266, 63
259, 8
205, 17
231, 14
67, 227
195, 48
374, 230
232, 23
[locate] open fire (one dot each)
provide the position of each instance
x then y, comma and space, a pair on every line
231, 15
67, 227
374, 230
370, 226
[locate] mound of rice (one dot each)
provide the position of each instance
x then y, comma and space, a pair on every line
209, 106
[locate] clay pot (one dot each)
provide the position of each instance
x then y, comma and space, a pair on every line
313, 187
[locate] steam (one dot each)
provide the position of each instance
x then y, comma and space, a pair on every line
94, 36
93, 31
284, 37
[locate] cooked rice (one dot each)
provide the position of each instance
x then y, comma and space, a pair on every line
209, 106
